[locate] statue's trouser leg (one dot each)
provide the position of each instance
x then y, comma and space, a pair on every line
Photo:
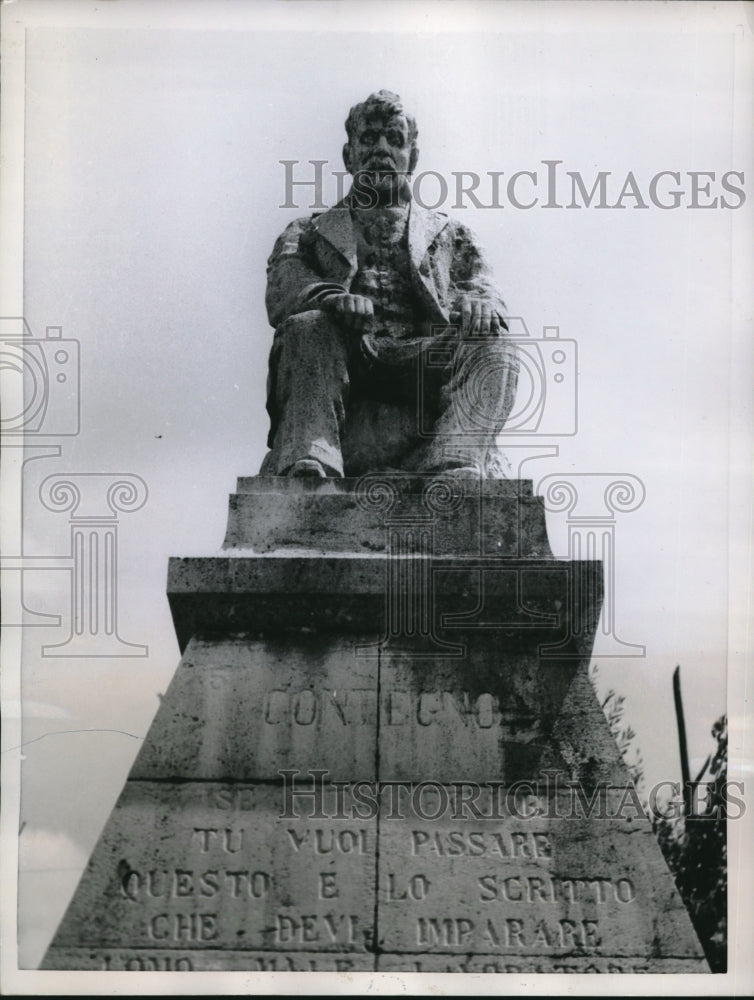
307, 391
470, 387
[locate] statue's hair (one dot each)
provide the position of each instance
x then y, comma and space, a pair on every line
383, 102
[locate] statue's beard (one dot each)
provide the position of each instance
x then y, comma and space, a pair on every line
380, 188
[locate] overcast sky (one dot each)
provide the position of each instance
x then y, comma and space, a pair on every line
152, 186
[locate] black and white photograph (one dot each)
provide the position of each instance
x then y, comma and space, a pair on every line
377, 464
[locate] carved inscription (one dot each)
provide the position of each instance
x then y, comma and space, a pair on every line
356, 706
511, 932
490, 964
228, 840
441, 708
533, 889
349, 706
502, 886
317, 929
182, 883
250, 961
415, 887
218, 870
183, 890
281, 962
209, 879
183, 927
330, 841
147, 963
500, 844
329, 928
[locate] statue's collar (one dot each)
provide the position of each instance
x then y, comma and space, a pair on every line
336, 226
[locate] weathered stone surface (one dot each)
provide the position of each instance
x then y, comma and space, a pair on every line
536, 601
162, 960
581, 745
312, 701
205, 865
156, 960
574, 964
243, 709
411, 680
484, 517
549, 878
485, 715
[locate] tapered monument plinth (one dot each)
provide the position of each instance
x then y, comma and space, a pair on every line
380, 751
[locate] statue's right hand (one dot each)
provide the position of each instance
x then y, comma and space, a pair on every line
356, 312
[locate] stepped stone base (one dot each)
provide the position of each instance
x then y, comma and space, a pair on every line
380, 751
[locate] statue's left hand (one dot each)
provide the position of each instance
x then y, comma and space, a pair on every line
477, 317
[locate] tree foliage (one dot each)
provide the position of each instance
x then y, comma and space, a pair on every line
696, 849
694, 845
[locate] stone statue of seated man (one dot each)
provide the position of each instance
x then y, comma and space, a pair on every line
391, 348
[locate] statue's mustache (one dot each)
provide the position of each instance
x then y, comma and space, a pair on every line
380, 163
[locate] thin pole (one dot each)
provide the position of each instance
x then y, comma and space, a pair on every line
682, 746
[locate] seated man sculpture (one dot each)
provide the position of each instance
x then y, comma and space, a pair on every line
391, 347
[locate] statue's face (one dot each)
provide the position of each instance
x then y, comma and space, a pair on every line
380, 150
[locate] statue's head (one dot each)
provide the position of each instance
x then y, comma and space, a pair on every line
381, 152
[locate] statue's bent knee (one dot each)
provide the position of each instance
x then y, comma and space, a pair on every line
305, 323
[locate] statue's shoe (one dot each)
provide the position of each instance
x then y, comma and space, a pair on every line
307, 468
460, 472
452, 468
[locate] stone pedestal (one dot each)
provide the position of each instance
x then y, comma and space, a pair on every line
380, 751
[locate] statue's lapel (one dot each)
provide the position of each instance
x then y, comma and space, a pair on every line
336, 227
423, 229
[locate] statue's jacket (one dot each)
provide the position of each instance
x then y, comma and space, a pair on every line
316, 257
